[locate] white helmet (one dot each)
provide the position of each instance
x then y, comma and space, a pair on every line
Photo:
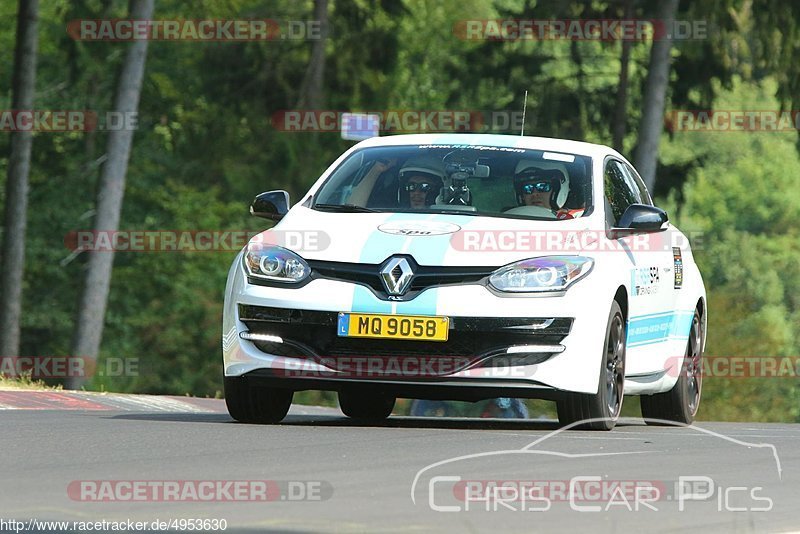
428, 167
528, 165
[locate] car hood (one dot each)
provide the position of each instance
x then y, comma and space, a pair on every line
431, 239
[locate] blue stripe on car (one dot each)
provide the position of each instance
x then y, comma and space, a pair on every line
659, 327
365, 301
377, 248
430, 250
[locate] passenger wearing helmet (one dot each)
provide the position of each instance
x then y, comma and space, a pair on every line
538, 187
541, 187
421, 181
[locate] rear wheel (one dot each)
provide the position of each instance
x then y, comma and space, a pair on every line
680, 404
604, 406
251, 404
367, 405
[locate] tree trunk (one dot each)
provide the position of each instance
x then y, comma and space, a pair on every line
19, 164
655, 90
619, 125
92, 307
582, 115
311, 92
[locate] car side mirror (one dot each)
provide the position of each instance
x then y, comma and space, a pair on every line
643, 218
271, 205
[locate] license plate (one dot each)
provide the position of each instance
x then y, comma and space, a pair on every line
412, 327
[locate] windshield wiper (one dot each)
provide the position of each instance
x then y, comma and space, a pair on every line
344, 208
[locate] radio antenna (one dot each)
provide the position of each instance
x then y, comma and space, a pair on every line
524, 108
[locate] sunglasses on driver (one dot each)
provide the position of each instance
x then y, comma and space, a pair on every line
537, 187
419, 186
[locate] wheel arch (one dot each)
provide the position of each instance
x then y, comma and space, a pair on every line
621, 296
701, 309
701, 306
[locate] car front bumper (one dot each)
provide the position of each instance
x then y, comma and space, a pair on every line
533, 346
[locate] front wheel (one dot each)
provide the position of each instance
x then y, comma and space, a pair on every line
601, 410
252, 404
366, 405
680, 404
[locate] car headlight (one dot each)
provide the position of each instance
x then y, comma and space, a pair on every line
536, 275
276, 264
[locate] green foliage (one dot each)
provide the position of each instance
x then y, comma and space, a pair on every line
165, 306
741, 202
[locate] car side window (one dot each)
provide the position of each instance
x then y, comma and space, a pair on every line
618, 192
639, 184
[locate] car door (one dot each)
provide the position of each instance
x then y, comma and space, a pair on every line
648, 262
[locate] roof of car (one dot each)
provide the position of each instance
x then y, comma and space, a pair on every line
511, 141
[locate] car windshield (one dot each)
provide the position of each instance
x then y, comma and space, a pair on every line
464, 179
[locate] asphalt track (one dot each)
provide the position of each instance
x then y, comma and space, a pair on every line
335, 475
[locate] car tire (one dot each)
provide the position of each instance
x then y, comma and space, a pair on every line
254, 404
366, 405
680, 404
601, 408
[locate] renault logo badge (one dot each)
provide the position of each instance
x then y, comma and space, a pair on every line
396, 276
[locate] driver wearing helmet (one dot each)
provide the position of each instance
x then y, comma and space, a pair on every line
541, 187
421, 181
538, 187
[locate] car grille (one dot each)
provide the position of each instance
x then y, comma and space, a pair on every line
312, 334
424, 277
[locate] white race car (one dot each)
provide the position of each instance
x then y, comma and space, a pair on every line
467, 267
